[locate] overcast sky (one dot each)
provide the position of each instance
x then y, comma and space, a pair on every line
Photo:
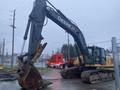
99, 20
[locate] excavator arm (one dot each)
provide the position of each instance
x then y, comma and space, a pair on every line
36, 20
35, 23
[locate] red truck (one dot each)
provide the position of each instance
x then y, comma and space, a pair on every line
56, 61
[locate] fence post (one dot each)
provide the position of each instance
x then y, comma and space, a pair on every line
116, 62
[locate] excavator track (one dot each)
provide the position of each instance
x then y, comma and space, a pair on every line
98, 75
70, 73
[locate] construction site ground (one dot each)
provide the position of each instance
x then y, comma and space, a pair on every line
53, 75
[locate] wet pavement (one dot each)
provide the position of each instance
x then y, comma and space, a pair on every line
62, 84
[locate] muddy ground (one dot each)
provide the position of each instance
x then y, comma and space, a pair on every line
62, 84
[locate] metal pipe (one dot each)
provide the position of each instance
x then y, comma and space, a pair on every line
116, 63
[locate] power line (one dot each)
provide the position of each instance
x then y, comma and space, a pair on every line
100, 42
107, 41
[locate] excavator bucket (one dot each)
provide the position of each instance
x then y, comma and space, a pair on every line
29, 76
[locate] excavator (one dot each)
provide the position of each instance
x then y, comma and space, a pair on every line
92, 67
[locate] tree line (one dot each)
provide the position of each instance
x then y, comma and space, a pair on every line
69, 51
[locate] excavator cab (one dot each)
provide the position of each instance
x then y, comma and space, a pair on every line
97, 55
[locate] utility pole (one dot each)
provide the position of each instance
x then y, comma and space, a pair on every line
3, 49
68, 46
13, 28
0, 50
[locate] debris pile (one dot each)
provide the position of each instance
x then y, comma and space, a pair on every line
7, 76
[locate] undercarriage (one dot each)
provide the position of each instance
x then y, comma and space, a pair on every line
88, 74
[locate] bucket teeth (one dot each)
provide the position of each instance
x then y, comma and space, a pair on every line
39, 51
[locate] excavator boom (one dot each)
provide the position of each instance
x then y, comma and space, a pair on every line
36, 21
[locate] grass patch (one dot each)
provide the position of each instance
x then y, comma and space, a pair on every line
8, 69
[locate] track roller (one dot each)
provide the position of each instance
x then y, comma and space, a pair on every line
95, 76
